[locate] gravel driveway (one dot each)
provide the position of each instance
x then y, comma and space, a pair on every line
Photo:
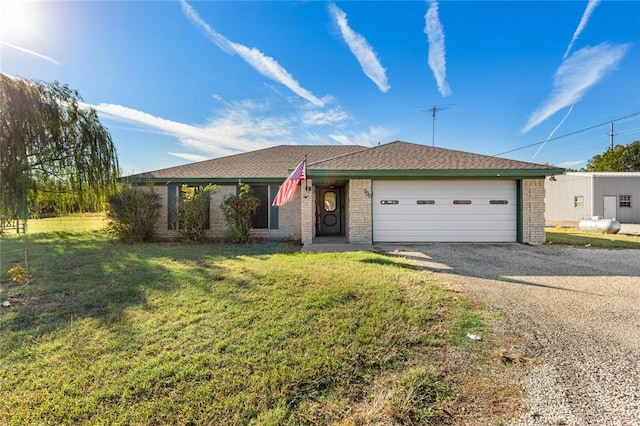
578, 311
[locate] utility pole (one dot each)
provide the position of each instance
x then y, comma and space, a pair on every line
611, 135
434, 109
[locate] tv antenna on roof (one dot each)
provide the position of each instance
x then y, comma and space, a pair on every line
433, 110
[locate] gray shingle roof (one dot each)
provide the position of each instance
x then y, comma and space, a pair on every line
409, 156
277, 162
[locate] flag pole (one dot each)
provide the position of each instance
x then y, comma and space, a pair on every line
305, 173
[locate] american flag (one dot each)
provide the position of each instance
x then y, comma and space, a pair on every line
288, 189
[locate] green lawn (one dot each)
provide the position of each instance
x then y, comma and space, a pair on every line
72, 223
577, 237
107, 333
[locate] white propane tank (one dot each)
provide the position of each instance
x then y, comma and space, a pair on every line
600, 224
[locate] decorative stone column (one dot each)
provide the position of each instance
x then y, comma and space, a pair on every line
307, 212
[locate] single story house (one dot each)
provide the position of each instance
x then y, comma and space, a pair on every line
578, 195
395, 192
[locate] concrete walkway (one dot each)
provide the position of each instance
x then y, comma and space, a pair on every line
630, 229
336, 247
336, 244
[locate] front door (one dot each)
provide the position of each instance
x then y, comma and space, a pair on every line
329, 211
610, 202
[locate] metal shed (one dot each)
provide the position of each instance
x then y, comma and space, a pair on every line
577, 195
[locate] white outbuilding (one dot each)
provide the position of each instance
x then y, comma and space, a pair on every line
578, 195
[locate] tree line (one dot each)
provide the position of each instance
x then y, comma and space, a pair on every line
620, 158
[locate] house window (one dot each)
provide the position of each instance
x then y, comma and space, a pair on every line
174, 195
261, 220
578, 201
625, 200
267, 216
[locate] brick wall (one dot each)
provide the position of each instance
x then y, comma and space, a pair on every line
288, 221
533, 211
218, 224
289, 217
359, 220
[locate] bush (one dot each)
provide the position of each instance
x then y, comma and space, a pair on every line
193, 212
133, 212
19, 274
239, 211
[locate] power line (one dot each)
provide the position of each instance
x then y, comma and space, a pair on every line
568, 134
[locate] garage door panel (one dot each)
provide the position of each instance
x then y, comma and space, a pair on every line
438, 218
447, 237
408, 211
436, 221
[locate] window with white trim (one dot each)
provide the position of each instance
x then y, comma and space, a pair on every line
625, 200
578, 201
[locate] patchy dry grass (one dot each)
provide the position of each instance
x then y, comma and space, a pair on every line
71, 223
109, 333
577, 237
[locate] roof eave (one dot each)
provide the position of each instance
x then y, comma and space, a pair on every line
431, 173
315, 173
203, 180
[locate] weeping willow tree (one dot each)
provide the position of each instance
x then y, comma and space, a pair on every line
54, 152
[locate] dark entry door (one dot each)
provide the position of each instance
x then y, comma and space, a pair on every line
330, 211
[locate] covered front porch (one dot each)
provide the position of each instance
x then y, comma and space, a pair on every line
336, 211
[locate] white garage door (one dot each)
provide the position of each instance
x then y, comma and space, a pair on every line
446, 211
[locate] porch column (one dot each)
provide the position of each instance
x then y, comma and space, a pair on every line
307, 212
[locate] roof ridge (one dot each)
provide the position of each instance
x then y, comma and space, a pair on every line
462, 152
364, 148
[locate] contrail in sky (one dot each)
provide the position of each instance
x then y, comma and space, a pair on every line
31, 52
553, 132
583, 22
435, 35
361, 49
265, 65
577, 74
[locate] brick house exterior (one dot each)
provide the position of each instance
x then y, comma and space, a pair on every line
337, 199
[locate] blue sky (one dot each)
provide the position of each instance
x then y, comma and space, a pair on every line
178, 81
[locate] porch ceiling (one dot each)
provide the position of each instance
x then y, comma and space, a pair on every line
327, 182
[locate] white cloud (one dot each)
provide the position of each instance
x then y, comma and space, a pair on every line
361, 49
265, 65
320, 118
581, 71
32, 53
572, 164
189, 157
583, 23
234, 130
374, 135
435, 35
